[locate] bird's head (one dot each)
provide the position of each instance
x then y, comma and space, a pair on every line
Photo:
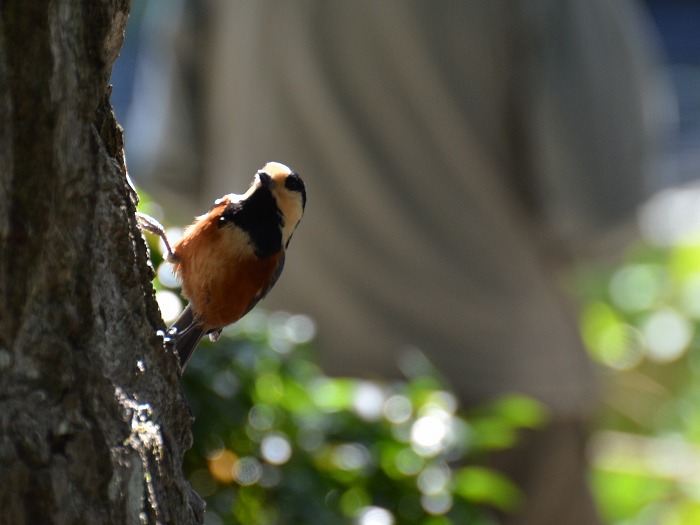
269, 211
289, 193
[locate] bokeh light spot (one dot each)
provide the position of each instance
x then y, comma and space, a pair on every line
170, 305
375, 516
436, 504
261, 417
351, 456
222, 465
667, 335
174, 234
247, 471
166, 276
276, 449
434, 479
636, 287
368, 400
398, 409
301, 329
428, 434
442, 401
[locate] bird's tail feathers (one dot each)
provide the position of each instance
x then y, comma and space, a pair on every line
186, 333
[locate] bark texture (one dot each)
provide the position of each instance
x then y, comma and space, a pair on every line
93, 423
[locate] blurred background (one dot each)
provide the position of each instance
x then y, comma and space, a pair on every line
492, 302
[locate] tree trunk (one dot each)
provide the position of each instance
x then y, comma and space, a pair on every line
93, 423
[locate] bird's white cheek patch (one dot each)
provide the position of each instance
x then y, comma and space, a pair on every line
292, 214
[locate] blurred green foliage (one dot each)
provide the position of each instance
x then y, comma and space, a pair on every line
278, 442
640, 322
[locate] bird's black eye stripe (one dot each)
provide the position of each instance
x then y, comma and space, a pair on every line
293, 182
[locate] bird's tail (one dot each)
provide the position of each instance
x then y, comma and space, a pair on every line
185, 333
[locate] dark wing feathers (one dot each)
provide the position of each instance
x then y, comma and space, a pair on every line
273, 280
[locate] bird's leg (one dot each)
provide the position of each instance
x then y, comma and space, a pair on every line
151, 225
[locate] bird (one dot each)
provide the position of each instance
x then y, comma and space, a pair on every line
231, 256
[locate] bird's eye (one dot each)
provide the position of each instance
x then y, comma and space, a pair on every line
293, 182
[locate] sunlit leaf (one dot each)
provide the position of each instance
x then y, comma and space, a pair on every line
684, 260
493, 433
487, 486
685, 513
520, 410
331, 395
353, 500
296, 397
621, 496
609, 338
269, 388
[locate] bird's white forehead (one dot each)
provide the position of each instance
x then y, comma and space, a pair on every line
276, 168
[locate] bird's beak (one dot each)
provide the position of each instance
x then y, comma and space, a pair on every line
264, 179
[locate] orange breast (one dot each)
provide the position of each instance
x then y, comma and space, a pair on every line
220, 274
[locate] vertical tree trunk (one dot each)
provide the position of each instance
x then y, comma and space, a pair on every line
93, 424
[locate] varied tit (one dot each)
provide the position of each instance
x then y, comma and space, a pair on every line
231, 256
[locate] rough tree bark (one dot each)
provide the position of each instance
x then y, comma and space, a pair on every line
93, 424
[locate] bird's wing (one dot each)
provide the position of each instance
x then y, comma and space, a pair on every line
270, 284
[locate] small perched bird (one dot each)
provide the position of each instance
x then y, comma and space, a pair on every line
233, 255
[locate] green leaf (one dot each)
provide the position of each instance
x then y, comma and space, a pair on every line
622, 495
521, 411
492, 433
482, 485
269, 388
332, 395
353, 500
685, 260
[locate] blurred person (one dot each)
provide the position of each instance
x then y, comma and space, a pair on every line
459, 156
